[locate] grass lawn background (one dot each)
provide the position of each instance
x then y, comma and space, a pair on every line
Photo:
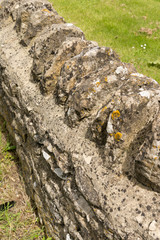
130, 27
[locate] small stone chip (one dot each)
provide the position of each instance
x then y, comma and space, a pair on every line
68, 237
46, 155
153, 226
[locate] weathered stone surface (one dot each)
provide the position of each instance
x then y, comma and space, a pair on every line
86, 127
47, 53
69, 49
32, 17
78, 69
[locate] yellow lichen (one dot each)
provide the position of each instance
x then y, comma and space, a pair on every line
92, 90
67, 67
115, 114
45, 10
83, 113
101, 123
108, 231
106, 80
104, 108
97, 84
118, 136
54, 77
109, 52
99, 128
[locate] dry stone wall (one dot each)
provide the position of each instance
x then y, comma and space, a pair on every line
86, 127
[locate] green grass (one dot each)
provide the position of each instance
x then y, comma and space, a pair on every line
19, 222
8, 147
11, 225
117, 24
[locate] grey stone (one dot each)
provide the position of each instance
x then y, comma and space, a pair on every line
51, 50
32, 17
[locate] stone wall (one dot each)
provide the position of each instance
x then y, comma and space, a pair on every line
86, 127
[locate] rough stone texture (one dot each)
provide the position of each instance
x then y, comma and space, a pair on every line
86, 127
55, 45
32, 17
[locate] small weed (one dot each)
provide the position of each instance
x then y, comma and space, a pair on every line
8, 147
4, 125
8, 223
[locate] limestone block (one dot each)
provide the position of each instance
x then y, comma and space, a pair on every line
79, 66
147, 161
32, 17
6, 11
70, 48
47, 49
